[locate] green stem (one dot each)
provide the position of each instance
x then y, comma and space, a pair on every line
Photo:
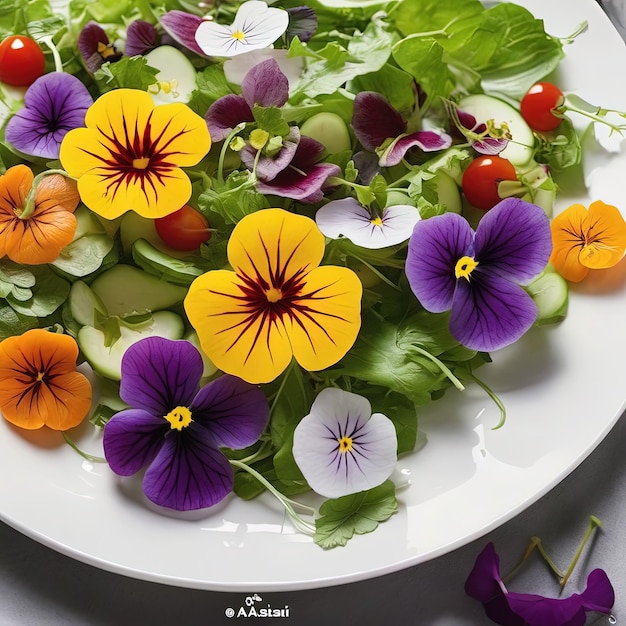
29, 205
379, 274
85, 455
441, 365
594, 523
289, 505
225, 146
58, 63
494, 397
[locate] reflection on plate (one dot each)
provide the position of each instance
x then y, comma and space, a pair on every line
563, 388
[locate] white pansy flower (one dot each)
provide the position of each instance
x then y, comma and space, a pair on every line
255, 26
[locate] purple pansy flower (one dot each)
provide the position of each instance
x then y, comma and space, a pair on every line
141, 38
524, 609
175, 428
264, 85
53, 105
304, 177
478, 276
95, 48
302, 23
182, 27
379, 127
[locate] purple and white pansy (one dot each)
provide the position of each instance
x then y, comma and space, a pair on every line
341, 448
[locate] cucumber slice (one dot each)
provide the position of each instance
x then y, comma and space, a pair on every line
520, 149
127, 290
169, 268
107, 360
133, 227
448, 192
84, 304
551, 295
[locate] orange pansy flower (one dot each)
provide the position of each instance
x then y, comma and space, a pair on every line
587, 239
39, 384
38, 236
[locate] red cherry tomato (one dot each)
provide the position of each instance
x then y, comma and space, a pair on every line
538, 105
481, 178
184, 229
22, 61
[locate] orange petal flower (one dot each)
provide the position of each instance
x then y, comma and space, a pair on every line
39, 384
587, 239
39, 237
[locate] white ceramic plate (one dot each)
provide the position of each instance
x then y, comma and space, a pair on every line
563, 388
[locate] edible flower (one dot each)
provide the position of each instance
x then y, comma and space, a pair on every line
39, 384
53, 105
348, 218
585, 239
130, 155
524, 609
95, 48
36, 218
380, 128
341, 448
175, 428
255, 26
277, 303
182, 27
484, 137
478, 276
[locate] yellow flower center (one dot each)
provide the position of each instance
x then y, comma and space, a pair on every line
464, 267
377, 221
141, 164
258, 138
105, 50
40, 376
179, 418
273, 295
345, 444
239, 35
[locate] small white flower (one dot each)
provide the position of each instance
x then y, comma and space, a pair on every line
341, 448
347, 218
255, 26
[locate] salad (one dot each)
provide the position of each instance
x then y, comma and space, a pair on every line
249, 240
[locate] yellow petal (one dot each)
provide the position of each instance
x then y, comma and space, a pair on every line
568, 238
606, 237
235, 338
326, 319
274, 244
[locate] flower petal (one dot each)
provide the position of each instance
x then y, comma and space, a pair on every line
374, 120
255, 26
325, 318
238, 341
568, 239
225, 113
434, 249
189, 472
482, 584
132, 438
425, 140
265, 85
599, 594
141, 37
606, 237
235, 69
268, 167
514, 240
370, 445
490, 312
53, 105
235, 411
160, 374
182, 27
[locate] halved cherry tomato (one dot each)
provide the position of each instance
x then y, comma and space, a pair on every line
22, 61
481, 178
538, 106
185, 229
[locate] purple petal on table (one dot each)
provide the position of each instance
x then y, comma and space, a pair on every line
374, 120
182, 28
53, 105
225, 113
540, 611
599, 594
514, 240
141, 38
302, 23
160, 374
483, 582
265, 85
435, 247
425, 140
132, 439
268, 167
235, 411
490, 312
189, 472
